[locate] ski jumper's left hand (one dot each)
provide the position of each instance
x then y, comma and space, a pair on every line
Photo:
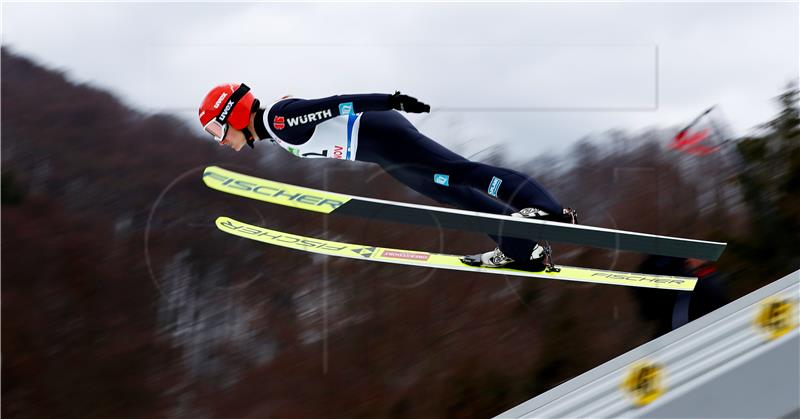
407, 103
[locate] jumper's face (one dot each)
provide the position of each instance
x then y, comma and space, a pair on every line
234, 139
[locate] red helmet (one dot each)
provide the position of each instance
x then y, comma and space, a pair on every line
229, 103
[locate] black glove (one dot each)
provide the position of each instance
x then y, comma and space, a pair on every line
407, 103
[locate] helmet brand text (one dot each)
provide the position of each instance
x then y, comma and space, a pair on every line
221, 98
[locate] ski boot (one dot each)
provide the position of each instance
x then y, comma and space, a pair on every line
568, 215
541, 258
538, 261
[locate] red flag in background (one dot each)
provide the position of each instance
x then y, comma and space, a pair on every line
701, 137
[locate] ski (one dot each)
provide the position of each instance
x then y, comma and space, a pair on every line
441, 261
335, 203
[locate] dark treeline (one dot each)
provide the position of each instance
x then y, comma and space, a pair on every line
121, 299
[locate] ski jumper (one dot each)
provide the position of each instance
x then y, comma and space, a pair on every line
365, 128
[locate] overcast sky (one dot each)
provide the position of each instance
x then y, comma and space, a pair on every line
533, 76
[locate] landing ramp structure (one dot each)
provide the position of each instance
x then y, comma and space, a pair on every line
740, 361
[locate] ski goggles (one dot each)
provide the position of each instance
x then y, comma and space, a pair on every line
218, 127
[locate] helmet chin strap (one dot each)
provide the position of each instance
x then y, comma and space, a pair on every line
248, 136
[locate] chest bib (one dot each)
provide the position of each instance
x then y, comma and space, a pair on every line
336, 138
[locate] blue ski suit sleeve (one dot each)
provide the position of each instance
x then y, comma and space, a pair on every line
298, 117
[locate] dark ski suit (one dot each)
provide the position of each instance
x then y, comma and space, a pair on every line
365, 128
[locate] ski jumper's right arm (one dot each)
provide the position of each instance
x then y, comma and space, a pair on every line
327, 127
294, 120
